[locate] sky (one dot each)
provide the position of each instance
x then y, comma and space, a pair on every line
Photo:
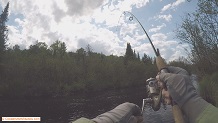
103, 24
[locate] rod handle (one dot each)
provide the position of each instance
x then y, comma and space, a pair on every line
177, 114
160, 62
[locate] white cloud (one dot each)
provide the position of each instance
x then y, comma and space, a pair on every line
166, 7
169, 49
165, 17
15, 32
82, 22
177, 3
158, 37
69, 21
127, 5
16, 37
157, 28
82, 7
172, 5
110, 13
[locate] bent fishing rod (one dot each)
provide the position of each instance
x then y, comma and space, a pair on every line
154, 91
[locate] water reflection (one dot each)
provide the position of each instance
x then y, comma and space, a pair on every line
160, 116
67, 109
99, 103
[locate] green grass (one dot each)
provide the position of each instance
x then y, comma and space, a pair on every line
209, 88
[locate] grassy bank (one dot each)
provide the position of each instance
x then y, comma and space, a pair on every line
209, 88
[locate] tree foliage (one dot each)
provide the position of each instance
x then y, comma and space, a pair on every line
209, 88
50, 71
183, 63
58, 48
3, 30
130, 54
147, 59
200, 31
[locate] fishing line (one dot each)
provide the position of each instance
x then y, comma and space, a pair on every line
132, 16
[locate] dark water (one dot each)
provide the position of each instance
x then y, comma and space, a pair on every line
67, 109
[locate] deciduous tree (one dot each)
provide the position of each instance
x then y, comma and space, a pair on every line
200, 31
3, 31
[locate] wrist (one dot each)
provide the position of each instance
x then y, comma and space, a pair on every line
193, 108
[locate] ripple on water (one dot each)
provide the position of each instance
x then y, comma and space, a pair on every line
160, 116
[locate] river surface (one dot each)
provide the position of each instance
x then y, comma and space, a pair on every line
89, 105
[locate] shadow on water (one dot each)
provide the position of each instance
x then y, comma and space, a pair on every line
67, 109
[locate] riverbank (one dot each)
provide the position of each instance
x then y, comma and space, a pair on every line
209, 88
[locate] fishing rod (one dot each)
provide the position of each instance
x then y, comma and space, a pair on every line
154, 91
133, 16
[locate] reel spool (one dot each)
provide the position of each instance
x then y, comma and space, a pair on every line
154, 94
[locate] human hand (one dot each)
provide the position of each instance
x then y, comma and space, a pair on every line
178, 85
182, 91
123, 113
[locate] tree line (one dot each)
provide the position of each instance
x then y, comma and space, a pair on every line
42, 70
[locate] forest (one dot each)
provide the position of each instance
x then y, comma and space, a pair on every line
50, 71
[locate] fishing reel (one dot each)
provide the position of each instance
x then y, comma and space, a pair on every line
154, 95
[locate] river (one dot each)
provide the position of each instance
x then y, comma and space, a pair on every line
89, 105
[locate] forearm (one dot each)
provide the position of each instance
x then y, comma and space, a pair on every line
209, 115
193, 108
121, 114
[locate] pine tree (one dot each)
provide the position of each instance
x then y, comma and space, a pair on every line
129, 55
89, 49
138, 57
129, 52
146, 59
134, 55
3, 30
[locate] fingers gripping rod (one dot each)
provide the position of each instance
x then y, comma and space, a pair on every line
161, 65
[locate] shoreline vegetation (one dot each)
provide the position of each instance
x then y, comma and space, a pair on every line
209, 88
42, 71
199, 31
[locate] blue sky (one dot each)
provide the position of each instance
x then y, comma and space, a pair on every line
99, 23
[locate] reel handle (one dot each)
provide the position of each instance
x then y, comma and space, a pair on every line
177, 113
